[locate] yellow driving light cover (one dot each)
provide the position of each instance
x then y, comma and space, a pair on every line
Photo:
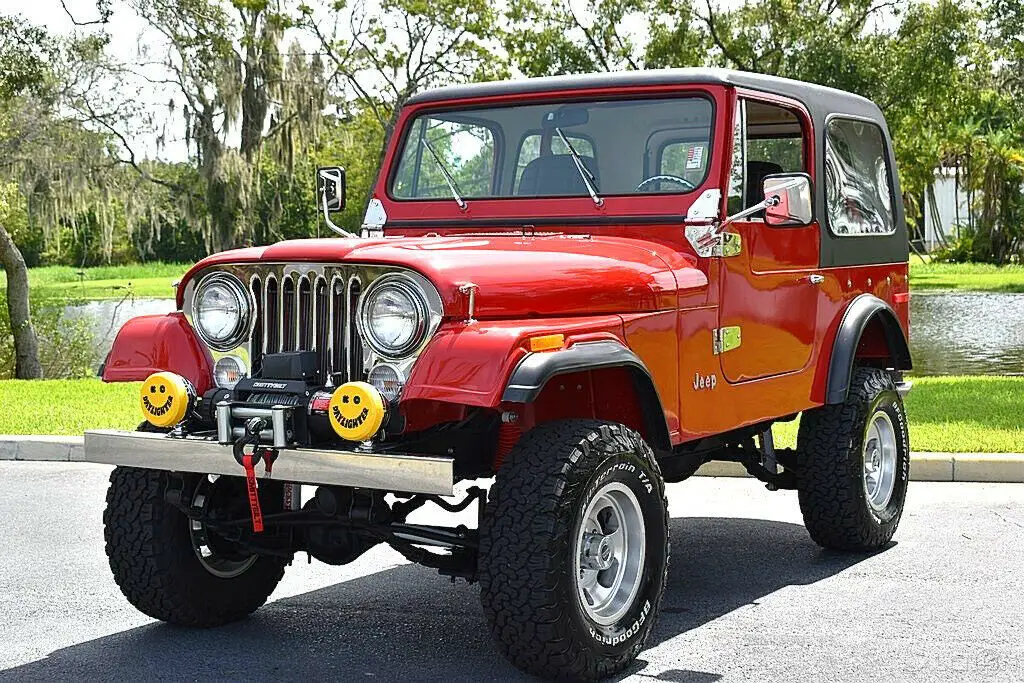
166, 398
356, 411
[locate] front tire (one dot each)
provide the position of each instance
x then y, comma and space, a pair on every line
854, 465
172, 569
574, 549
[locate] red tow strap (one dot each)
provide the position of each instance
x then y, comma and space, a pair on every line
254, 496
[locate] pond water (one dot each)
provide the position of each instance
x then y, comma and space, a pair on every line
961, 333
967, 333
106, 317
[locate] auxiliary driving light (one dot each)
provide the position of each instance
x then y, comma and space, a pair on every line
166, 398
357, 411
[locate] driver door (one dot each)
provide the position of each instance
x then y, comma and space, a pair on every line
768, 300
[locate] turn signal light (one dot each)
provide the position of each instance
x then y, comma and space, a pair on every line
548, 342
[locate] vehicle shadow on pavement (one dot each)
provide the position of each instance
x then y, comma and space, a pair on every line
409, 623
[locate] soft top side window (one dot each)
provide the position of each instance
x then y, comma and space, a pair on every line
858, 184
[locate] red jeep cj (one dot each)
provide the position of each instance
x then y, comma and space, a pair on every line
579, 288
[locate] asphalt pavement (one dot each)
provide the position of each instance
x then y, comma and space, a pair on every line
750, 598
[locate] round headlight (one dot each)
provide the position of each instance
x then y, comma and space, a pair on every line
221, 312
393, 316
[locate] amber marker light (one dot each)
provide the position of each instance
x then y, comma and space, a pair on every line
549, 342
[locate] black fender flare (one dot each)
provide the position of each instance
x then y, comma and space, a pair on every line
536, 369
861, 311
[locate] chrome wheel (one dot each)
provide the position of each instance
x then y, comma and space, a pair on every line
214, 553
880, 458
610, 551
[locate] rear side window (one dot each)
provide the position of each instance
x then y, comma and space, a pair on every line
858, 192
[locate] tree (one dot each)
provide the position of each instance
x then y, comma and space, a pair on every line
379, 58
566, 37
228, 76
23, 55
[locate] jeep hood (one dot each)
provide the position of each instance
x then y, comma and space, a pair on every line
516, 276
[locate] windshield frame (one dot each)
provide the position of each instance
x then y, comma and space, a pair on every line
468, 107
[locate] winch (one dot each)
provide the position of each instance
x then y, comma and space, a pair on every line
289, 398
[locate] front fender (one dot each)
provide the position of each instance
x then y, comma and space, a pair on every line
156, 343
471, 363
535, 370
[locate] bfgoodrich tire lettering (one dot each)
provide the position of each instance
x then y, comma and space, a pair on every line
831, 455
154, 563
528, 545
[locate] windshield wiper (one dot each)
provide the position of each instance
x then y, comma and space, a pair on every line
447, 176
588, 178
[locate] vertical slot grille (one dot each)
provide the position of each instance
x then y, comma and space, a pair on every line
310, 311
272, 324
322, 325
339, 326
354, 349
257, 329
305, 316
288, 304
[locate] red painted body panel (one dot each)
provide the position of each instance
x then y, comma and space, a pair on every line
470, 363
591, 276
517, 276
155, 343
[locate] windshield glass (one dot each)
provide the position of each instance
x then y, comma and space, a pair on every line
615, 147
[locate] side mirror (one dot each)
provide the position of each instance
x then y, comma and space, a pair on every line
330, 188
330, 195
788, 199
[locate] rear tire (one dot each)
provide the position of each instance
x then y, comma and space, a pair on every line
854, 465
574, 550
155, 562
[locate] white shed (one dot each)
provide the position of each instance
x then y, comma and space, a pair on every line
944, 218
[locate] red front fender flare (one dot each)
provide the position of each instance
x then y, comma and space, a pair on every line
155, 343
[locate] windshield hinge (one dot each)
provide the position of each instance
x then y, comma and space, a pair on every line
708, 242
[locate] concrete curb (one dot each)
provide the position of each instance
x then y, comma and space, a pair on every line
978, 467
41, 448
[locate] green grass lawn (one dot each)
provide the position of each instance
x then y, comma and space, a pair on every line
978, 277
947, 414
147, 281
956, 415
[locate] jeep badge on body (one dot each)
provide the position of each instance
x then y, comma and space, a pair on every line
577, 288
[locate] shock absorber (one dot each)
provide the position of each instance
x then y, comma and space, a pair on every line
508, 434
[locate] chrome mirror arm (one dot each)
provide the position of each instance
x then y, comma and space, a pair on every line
760, 206
326, 175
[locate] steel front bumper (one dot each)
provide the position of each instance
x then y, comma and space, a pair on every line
387, 472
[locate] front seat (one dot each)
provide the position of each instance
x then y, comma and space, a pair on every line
554, 175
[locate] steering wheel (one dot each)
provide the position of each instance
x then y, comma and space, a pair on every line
674, 178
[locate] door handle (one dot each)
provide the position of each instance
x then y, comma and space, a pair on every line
815, 279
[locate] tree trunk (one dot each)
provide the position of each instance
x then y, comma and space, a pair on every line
26, 345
